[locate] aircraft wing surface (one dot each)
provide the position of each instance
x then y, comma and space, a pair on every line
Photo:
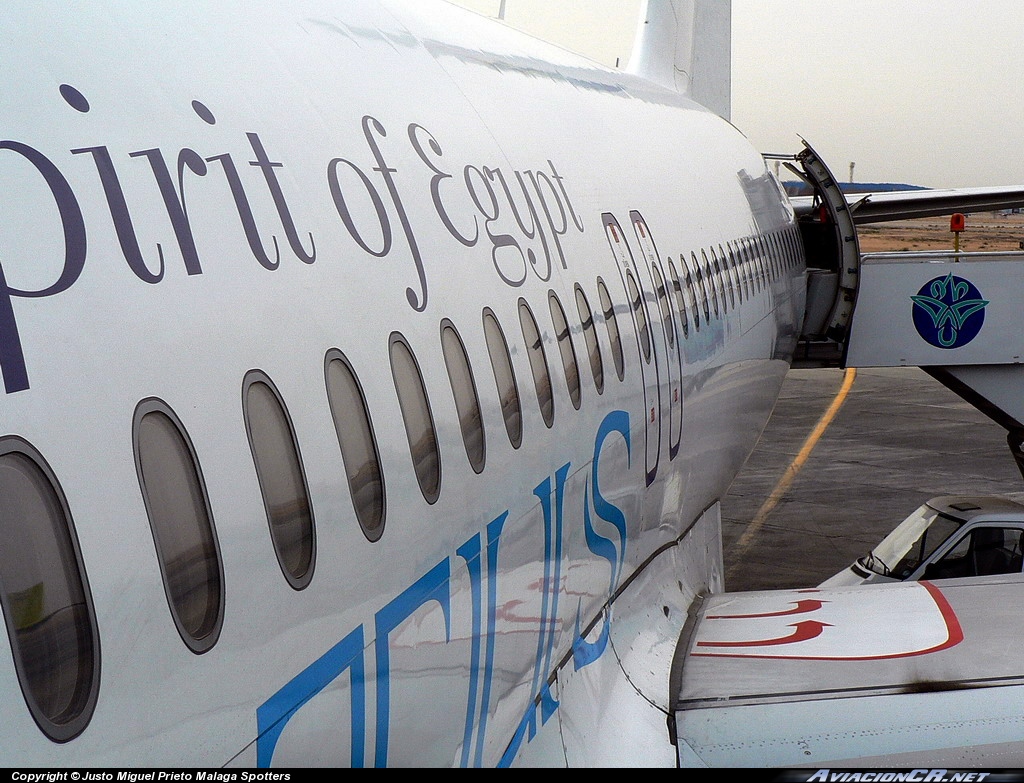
906, 204
894, 675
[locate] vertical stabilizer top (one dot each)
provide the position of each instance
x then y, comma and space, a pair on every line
686, 45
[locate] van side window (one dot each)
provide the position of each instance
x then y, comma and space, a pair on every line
467, 403
566, 349
358, 444
504, 378
275, 451
590, 336
614, 337
538, 363
182, 524
419, 422
45, 596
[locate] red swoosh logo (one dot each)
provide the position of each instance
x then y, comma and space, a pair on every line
805, 631
802, 607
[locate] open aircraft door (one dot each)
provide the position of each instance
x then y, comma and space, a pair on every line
833, 264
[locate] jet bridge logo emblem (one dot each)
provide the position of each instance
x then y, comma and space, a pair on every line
949, 311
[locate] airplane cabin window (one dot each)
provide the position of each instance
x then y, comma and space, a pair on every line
748, 266
752, 263
467, 403
748, 269
182, 524
722, 274
358, 445
45, 596
538, 363
702, 288
590, 336
643, 330
282, 478
759, 260
504, 378
691, 290
566, 349
666, 314
612, 325
766, 255
712, 284
735, 285
419, 422
677, 289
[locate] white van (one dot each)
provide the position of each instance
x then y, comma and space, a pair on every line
946, 537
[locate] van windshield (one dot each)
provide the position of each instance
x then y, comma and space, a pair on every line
911, 543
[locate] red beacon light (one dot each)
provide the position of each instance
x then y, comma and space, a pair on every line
957, 223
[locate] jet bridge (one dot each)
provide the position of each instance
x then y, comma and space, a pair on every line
955, 315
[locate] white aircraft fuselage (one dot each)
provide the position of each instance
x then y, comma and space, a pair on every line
198, 202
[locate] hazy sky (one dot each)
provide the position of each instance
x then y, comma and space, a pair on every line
928, 92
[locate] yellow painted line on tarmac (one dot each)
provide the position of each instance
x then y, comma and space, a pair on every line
784, 483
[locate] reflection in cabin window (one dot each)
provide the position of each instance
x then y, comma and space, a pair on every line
358, 445
643, 330
282, 479
45, 596
183, 532
702, 288
590, 336
614, 337
692, 291
725, 286
419, 422
504, 378
565, 347
467, 403
538, 363
712, 283
677, 289
666, 314
743, 268
734, 274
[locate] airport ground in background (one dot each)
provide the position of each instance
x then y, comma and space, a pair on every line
899, 439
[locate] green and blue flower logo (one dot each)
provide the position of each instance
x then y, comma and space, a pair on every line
949, 311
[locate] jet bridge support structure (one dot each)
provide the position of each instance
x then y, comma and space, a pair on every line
956, 315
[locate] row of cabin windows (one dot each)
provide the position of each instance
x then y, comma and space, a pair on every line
43, 585
44, 591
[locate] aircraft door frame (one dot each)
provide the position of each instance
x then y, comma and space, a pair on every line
650, 367
671, 330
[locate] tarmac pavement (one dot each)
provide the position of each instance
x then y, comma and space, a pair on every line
899, 439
